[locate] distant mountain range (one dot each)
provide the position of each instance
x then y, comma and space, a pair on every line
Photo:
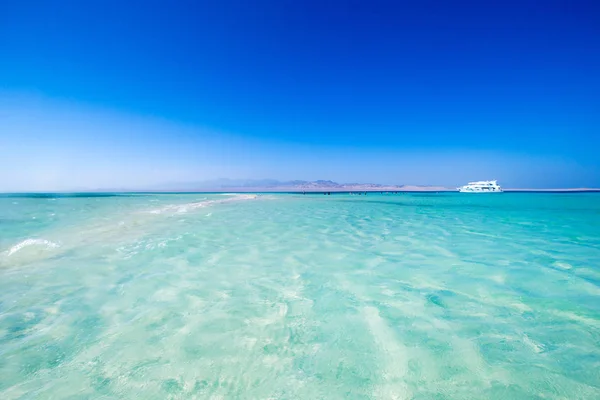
273, 185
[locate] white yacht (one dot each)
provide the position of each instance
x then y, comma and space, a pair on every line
481, 187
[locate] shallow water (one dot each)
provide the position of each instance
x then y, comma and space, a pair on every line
405, 296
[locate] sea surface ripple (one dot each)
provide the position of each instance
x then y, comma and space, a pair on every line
275, 296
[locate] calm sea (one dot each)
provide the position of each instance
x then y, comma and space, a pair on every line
398, 296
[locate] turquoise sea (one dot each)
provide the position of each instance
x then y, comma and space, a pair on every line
281, 296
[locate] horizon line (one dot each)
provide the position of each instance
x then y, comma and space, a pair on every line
234, 190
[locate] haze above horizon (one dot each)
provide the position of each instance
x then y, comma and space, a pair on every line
137, 94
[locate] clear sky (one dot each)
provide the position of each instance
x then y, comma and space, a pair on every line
99, 94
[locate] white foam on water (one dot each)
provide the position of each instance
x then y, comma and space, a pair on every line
106, 232
31, 242
183, 208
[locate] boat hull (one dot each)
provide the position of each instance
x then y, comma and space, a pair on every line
480, 191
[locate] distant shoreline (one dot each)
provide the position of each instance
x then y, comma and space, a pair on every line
226, 185
383, 190
406, 189
313, 190
570, 190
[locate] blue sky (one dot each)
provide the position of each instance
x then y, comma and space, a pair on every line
132, 94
